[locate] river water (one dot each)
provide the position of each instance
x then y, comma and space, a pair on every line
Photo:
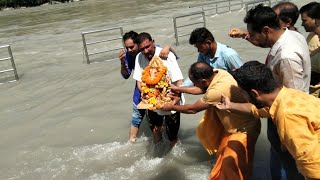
65, 119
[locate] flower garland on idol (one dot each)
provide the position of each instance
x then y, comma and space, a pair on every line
154, 88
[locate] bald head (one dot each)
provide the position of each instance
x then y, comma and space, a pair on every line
199, 71
287, 12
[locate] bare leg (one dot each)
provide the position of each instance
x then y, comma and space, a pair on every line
173, 143
157, 134
133, 134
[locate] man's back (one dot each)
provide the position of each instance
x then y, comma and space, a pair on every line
224, 83
298, 123
289, 61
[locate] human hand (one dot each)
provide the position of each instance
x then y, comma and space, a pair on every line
166, 107
237, 33
174, 88
122, 56
175, 97
164, 52
225, 103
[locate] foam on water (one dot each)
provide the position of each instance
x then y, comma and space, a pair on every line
115, 160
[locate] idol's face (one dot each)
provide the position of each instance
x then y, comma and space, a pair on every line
148, 48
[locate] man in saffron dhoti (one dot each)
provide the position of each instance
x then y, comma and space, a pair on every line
294, 113
232, 136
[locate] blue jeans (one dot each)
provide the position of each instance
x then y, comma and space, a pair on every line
280, 159
137, 115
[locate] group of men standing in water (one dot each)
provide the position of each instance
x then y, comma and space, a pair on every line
237, 95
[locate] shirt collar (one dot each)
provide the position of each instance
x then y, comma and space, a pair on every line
218, 50
279, 42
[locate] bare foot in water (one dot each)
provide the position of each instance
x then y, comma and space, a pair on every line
173, 143
131, 140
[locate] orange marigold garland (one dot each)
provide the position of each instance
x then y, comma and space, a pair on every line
155, 82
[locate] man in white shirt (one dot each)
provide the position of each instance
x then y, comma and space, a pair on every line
289, 61
172, 119
289, 57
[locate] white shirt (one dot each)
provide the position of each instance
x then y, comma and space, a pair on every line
289, 61
171, 63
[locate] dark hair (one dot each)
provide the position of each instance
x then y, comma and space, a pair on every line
255, 75
200, 35
143, 36
306, 8
315, 12
287, 10
130, 35
200, 70
261, 16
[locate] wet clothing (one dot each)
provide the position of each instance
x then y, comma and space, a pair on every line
231, 135
234, 157
171, 122
158, 117
173, 70
137, 115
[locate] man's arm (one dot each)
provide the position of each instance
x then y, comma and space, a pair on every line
186, 89
292, 73
246, 108
187, 82
226, 104
139, 85
188, 108
177, 83
125, 72
165, 52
